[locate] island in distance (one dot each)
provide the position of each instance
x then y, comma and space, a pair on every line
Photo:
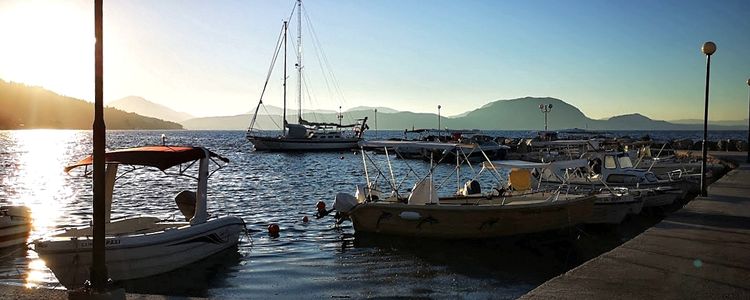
29, 107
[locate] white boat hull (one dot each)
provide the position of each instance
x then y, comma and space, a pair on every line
289, 144
140, 255
15, 225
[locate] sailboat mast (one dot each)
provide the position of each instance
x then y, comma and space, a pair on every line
283, 126
299, 57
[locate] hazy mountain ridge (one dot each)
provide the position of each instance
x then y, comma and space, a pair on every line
275, 110
722, 122
30, 107
512, 114
147, 108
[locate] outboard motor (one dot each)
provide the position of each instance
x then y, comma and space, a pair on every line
344, 202
186, 203
472, 187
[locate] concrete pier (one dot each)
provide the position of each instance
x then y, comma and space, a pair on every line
701, 251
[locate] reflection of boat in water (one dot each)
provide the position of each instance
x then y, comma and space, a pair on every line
193, 280
305, 135
15, 225
516, 208
139, 247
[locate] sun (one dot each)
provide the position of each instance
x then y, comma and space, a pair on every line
48, 43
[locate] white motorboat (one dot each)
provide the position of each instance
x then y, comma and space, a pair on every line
139, 247
612, 205
15, 225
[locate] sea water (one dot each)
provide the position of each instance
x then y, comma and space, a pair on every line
317, 259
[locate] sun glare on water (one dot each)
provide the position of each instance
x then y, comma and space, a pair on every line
37, 180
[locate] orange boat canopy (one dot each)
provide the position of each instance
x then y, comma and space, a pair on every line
161, 157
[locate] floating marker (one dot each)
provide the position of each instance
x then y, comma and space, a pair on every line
273, 230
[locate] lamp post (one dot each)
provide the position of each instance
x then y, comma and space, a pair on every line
708, 49
440, 133
545, 108
340, 116
376, 124
748, 126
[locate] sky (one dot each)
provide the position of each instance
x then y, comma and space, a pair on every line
210, 58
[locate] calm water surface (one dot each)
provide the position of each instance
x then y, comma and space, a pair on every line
308, 260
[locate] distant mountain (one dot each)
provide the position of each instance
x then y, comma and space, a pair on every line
147, 108
27, 107
722, 123
370, 108
275, 110
513, 114
523, 114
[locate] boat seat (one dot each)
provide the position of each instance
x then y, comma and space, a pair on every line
520, 179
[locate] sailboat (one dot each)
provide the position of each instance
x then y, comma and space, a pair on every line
305, 135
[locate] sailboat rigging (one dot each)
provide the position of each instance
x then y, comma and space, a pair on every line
305, 135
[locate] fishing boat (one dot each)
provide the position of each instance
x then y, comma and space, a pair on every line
470, 213
305, 135
143, 246
15, 225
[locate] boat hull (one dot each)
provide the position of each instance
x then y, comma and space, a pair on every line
137, 256
614, 212
291, 144
469, 221
15, 225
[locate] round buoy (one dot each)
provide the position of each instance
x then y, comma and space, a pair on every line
321, 205
273, 230
305, 219
342, 157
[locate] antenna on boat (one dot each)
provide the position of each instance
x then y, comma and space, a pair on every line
283, 126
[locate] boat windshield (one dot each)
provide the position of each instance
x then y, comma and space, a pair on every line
609, 162
625, 161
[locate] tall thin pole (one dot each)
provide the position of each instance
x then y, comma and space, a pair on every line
545, 120
748, 126
440, 132
707, 49
377, 135
98, 275
299, 57
283, 126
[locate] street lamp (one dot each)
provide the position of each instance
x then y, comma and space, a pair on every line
545, 108
440, 133
340, 116
376, 124
748, 126
708, 49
